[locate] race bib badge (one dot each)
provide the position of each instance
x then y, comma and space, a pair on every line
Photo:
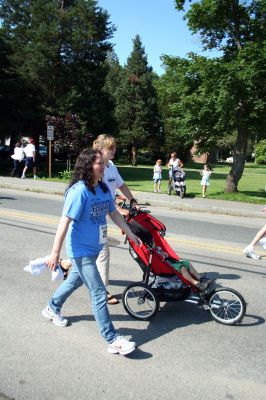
102, 234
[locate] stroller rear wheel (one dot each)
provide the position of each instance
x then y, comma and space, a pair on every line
140, 301
227, 306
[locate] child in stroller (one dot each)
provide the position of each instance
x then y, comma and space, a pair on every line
166, 278
186, 269
166, 256
179, 174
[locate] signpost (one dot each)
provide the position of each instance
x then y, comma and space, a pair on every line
50, 137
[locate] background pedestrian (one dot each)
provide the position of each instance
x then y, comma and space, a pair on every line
18, 157
260, 238
30, 162
205, 174
157, 175
173, 163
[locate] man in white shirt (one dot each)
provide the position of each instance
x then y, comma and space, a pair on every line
30, 153
106, 144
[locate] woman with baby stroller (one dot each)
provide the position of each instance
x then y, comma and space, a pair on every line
177, 182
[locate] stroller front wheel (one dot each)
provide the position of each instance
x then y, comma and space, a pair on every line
182, 191
227, 306
140, 301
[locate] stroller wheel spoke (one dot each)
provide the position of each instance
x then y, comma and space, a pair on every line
140, 301
227, 306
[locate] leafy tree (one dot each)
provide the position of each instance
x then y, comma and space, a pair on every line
18, 108
112, 81
237, 29
136, 104
59, 48
261, 152
70, 136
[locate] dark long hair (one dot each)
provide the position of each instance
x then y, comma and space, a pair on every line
83, 170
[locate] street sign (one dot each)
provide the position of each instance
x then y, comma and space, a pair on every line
50, 137
50, 132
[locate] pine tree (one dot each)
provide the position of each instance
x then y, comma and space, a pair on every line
136, 103
59, 48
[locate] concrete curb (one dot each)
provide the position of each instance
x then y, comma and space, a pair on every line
218, 207
34, 189
204, 209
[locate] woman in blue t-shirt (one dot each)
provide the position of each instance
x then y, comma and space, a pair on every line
83, 224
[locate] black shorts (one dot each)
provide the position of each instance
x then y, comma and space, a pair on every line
29, 162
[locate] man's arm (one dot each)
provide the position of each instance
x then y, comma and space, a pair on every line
127, 193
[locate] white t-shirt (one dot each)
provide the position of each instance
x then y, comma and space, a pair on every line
18, 153
112, 178
174, 163
29, 150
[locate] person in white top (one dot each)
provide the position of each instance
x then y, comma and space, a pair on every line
205, 173
157, 175
107, 145
30, 153
260, 238
18, 156
173, 163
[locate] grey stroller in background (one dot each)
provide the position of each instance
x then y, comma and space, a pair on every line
177, 183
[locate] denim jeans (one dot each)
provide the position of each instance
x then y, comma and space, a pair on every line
84, 270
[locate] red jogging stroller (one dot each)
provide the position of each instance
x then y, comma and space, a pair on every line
161, 282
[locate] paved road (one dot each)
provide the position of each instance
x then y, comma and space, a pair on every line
182, 352
195, 204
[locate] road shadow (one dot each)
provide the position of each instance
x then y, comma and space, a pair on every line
217, 275
251, 320
171, 316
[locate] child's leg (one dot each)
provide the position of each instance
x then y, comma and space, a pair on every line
65, 263
159, 186
194, 273
204, 190
155, 186
187, 276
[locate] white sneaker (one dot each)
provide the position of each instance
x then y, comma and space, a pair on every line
262, 242
23, 177
57, 319
249, 252
122, 346
35, 177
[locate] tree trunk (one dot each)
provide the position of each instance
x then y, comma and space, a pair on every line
134, 156
239, 156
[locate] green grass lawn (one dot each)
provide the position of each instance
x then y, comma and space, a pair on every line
251, 186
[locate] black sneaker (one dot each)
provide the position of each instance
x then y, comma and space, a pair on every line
202, 286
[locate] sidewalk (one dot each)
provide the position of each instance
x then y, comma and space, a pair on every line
153, 199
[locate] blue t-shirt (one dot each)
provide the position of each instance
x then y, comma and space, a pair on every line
87, 231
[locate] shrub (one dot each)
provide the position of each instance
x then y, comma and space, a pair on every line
261, 150
261, 160
66, 175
